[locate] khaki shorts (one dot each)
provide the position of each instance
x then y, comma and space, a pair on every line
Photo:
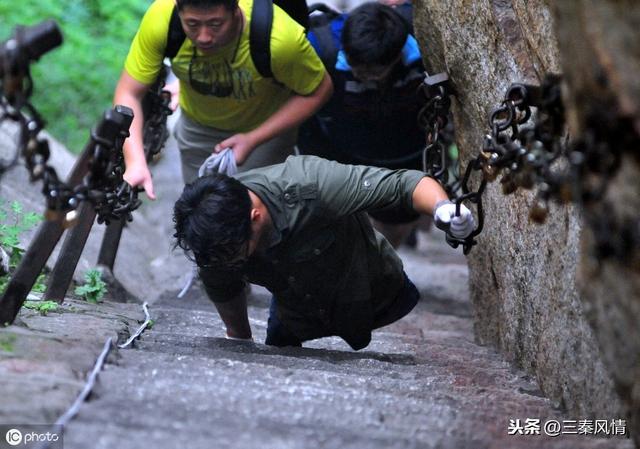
196, 143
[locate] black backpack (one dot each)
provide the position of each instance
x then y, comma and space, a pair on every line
321, 24
259, 33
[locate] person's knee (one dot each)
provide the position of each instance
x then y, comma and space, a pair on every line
277, 333
404, 303
281, 341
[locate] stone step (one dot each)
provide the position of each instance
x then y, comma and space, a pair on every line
185, 386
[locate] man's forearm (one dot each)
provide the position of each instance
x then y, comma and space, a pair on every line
133, 147
426, 195
430, 198
129, 93
234, 315
295, 111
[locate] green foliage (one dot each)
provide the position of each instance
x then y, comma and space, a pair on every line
94, 287
6, 342
41, 284
4, 281
13, 223
74, 83
43, 307
150, 324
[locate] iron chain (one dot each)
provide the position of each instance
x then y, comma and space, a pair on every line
433, 118
540, 156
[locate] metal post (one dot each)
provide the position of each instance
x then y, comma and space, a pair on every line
30, 267
110, 243
41, 247
155, 108
70, 253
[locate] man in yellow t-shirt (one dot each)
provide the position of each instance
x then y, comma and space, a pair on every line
225, 102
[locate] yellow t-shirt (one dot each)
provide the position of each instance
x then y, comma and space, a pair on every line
244, 98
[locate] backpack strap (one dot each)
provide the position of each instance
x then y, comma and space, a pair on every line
325, 14
175, 35
321, 27
259, 33
296, 9
327, 46
406, 12
260, 36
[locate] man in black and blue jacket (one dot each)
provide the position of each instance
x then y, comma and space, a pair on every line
376, 67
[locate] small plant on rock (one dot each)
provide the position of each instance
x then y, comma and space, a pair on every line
7, 342
43, 307
13, 223
94, 287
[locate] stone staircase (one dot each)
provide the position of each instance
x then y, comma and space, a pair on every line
422, 383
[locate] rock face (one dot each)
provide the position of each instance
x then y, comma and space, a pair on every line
600, 47
522, 275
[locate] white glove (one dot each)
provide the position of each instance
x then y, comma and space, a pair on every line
446, 219
222, 162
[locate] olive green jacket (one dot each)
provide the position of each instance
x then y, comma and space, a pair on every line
329, 270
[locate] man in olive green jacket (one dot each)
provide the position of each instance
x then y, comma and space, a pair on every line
300, 229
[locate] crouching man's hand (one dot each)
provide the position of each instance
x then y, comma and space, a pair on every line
459, 226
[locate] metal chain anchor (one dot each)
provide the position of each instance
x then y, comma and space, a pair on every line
526, 156
578, 171
522, 156
433, 118
155, 107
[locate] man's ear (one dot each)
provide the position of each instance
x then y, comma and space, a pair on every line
255, 215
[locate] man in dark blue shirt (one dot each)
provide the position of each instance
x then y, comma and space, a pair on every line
372, 117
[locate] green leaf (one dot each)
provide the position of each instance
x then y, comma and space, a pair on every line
15, 258
43, 307
94, 287
16, 208
41, 284
31, 219
4, 281
6, 342
10, 240
10, 234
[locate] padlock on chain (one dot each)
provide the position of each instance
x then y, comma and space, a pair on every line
539, 211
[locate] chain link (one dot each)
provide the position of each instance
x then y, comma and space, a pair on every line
433, 118
155, 107
539, 156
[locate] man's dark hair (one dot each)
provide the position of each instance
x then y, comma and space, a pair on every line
212, 219
374, 34
231, 5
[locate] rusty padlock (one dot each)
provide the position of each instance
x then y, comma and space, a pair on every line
539, 211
